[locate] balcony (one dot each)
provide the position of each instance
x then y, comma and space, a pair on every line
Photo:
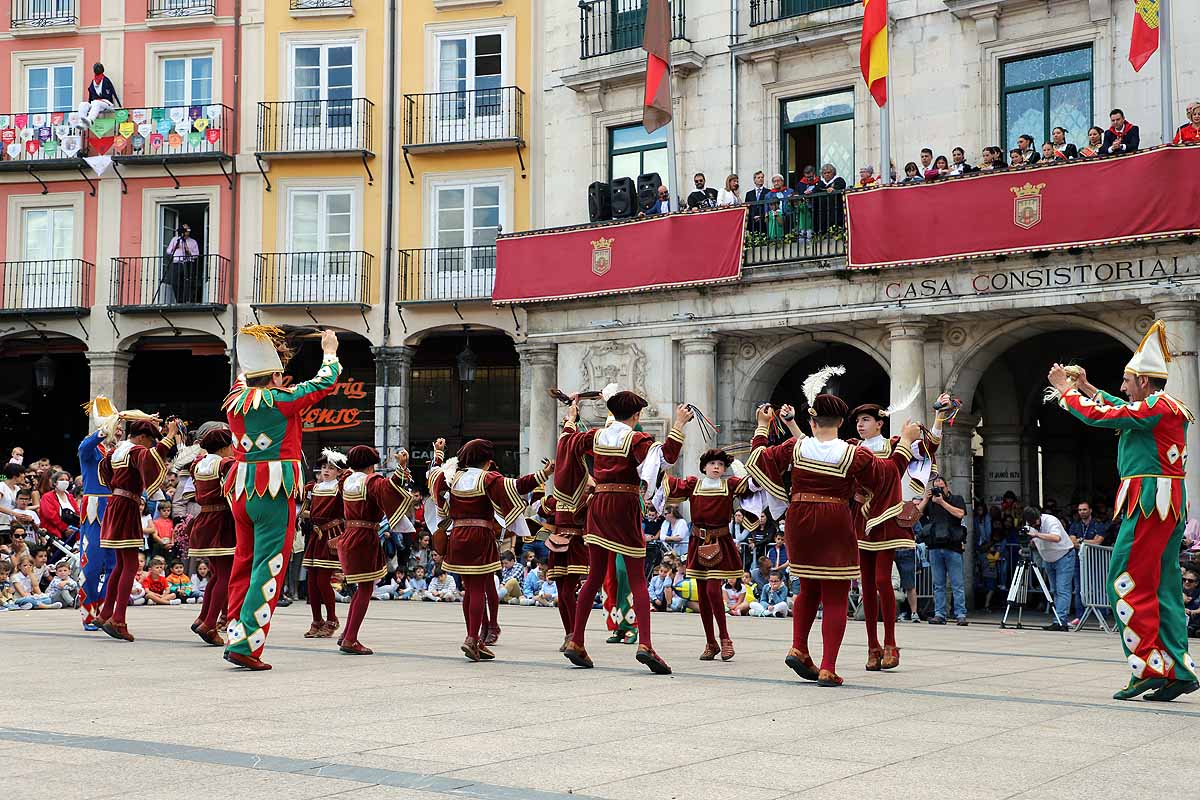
764, 11
610, 26
308, 128
476, 119
41, 141
44, 17
328, 278
447, 273
171, 134
802, 229
321, 8
156, 284
179, 12
50, 287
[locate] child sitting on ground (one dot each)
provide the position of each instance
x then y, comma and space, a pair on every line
63, 588
158, 591
415, 586
179, 584
389, 588
8, 594
27, 595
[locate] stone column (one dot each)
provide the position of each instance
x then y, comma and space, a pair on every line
544, 414
1183, 382
1002, 465
698, 357
393, 369
726, 390
954, 462
907, 339
110, 375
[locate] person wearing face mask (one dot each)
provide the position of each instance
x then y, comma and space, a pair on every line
59, 510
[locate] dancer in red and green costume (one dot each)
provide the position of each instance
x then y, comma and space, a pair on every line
1144, 583
265, 419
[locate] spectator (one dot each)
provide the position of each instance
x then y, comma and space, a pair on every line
942, 513
926, 162
442, 589
663, 204
658, 588
734, 594
14, 481
1084, 530
757, 198
729, 195
8, 594
58, 510
183, 280
1048, 156
422, 555
761, 575
743, 608
14, 548
547, 595
390, 587
959, 165
63, 588
530, 586
1015, 158
200, 579
829, 212
27, 593
1025, 148
905, 559
989, 560
701, 198
512, 575
779, 208
1189, 133
1054, 546
773, 602
180, 584
808, 180
163, 536
741, 533
41, 567
941, 168
1123, 137
17, 456
1191, 598
777, 554
102, 95
675, 532
866, 177
1095, 143
158, 589
1063, 150
416, 586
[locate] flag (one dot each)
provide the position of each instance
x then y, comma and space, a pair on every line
657, 44
1144, 41
873, 54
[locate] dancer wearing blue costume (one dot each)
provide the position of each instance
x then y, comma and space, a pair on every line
96, 562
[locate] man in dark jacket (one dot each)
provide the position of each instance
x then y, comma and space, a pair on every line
102, 95
1123, 137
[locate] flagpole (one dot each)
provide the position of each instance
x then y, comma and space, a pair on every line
1167, 71
885, 117
672, 164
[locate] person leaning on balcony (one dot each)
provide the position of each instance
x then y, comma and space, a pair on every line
911, 173
1063, 150
1123, 137
102, 95
828, 212
729, 195
1189, 133
184, 252
663, 204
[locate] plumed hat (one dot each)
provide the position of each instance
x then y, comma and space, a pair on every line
829, 405
142, 427
476, 453
216, 439
870, 409
814, 383
258, 349
103, 416
332, 458
1152, 355
715, 454
361, 456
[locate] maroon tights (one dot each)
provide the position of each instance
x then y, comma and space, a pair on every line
320, 593
358, 609
568, 598
712, 605
595, 579
875, 568
216, 594
474, 602
491, 617
834, 599
119, 584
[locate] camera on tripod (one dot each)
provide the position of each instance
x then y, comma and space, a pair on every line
1025, 539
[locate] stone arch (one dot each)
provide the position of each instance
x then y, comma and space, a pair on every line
129, 341
415, 338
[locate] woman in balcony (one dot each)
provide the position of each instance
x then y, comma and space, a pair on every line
1095, 142
729, 195
102, 95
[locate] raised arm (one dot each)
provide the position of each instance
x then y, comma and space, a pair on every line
299, 398
392, 496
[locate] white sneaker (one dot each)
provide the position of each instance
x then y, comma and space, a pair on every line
176, 602
52, 605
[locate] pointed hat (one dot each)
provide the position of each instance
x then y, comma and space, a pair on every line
1152, 355
257, 353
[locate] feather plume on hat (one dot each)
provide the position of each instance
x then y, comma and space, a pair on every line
185, 456
904, 402
450, 469
738, 469
608, 391
334, 457
103, 415
814, 383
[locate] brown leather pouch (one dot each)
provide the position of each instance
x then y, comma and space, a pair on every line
709, 555
558, 542
908, 515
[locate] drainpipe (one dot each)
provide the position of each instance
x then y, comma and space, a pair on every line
235, 148
733, 87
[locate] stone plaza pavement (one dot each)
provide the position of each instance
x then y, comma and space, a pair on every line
973, 712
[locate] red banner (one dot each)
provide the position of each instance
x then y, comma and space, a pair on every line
1083, 203
621, 257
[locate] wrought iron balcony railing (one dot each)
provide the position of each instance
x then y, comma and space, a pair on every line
795, 229
304, 5
35, 14
152, 283
44, 139
174, 133
167, 9
764, 11
316, 126
340, 277
469, 118
447, 273
53, 285
610, 26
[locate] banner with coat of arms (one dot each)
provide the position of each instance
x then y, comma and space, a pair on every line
634, 255
1083, 203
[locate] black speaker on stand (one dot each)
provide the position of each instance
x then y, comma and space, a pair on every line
624, 198
647, 190
599, 202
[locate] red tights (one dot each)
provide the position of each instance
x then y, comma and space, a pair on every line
358, 609
119, 584
216, 594
595, 579
834, 599
491, 616
568, 598
475, 602
712, 605
875, 567
320, 593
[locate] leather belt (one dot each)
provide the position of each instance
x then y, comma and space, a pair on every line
568, 531
800, 497
214, 507
708, 534
327, 527
125, 493
361, 523
472, 523
624, 488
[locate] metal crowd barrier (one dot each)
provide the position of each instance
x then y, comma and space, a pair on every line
1093, 585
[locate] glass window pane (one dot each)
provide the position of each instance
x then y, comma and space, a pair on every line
201, 81
339, 203
655, 161
1025, 113
304, 221
1071, 108
626, 166
452, 65
64, 88
1048, 67
38, 77
62, 228
636, 136
38, 97
341, 56
37, 235
451, 198
487, 196
810, 109
837, 147
308, 57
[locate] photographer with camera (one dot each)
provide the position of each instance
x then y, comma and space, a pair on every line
942, 530
1054, 546
182, 275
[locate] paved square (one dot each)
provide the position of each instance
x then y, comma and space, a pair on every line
973, 712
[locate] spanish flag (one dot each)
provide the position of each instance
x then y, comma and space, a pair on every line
1144, 41
873, 55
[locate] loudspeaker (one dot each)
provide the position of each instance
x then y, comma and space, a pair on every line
599, 202
624, 198
647, 190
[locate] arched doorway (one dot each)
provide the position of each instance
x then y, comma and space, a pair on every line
187, 376
865, 380
45, 383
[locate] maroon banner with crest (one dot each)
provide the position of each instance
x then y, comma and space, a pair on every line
1083, 203
635, 256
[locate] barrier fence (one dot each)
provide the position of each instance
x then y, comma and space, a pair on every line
1093, 584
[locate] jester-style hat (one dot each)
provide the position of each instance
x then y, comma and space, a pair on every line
1152, 356
258, 350
103, 415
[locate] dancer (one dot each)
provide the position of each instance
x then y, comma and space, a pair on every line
567, 510
135, 467
712, 555
893, 528
265, 419
819, 531
96, 562
367, 499
323, 509
622, 458
212, 531
1144, 582
475, 496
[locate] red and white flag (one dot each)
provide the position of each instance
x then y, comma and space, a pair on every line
657, 44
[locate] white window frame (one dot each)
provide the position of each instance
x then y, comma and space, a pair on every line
18, 205
469, 187
50, 68
436, 32
188, 78
159, 52
355, 213
356, 70
21, 61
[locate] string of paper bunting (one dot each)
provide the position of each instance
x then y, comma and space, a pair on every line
125, 131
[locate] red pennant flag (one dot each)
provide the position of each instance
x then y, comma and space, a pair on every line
657, 44
1144, 41
873, 52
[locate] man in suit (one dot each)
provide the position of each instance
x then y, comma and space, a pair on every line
1123, 137
663, 204
701, 198
756, 198
102, 95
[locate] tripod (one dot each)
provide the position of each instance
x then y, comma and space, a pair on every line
1020, 586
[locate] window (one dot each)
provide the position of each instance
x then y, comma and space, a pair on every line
49, 233
470, 63
815, 131
187, 81
49, 88
323, 267
1047, 91
467, 215
633, 152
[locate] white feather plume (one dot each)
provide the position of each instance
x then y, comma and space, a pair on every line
904, 402
738, 469
814, 383
608, 391
450, 469
185, 456
334, 457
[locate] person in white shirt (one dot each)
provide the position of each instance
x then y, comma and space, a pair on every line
1055, 548
14, 475
729, 195
675, 532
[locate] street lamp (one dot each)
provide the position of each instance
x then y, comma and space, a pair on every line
468, 362
44, 373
